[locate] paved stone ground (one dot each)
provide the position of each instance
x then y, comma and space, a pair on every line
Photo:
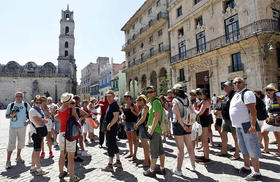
221, 169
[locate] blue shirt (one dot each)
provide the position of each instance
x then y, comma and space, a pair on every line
20, 118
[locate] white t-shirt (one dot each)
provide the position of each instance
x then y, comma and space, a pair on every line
33, 113
238, 110
214, 99
186, 102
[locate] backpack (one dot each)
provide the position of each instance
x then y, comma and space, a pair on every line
260, 107
72, 132
165, 124
188, 118
25, 105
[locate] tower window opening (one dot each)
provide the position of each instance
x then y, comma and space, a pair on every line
66, 30
66, 44
67, 17
66, 53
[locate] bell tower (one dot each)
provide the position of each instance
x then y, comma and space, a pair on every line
66, 59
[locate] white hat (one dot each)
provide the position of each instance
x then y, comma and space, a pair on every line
66, 97
178, 86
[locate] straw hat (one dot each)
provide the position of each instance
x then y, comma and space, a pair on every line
221, 97
92, 98
143, 97
66, 97
110, 92
271, 86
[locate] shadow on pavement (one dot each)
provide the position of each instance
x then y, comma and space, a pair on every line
218, 167
122, 175
15, 171
40, 178
80, 170
46, 162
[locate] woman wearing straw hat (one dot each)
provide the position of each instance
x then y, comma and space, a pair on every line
271, 100
131, 112
141, 124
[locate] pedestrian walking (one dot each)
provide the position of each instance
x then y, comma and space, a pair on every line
17, 112
155, 132
130, 111
182, 130
110, 120
103, 104
243, 115
141, 125
38, 131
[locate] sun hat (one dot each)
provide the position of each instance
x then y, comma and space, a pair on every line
66, 97
127, 94
92, 98
221, 97
143, 97
109, 93
178, 86
271, 86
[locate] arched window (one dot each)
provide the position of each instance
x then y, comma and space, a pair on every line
66, 30
67, 17
66, 44
66, 53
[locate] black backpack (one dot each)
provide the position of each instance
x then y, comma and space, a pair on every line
25, 105
260, 107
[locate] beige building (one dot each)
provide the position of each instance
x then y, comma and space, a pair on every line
213, 41
147, 47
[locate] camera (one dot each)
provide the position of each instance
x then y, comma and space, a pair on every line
15, 110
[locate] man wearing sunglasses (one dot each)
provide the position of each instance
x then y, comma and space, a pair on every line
154, 132
17, 112
243, 115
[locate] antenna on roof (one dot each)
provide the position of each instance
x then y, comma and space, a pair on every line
68, 7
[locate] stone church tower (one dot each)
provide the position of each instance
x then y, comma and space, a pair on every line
66, 59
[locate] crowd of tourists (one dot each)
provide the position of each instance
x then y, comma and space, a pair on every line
184, 117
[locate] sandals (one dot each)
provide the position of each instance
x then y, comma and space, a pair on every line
234, 158
277, 154
220, 154
265, 152
129, 156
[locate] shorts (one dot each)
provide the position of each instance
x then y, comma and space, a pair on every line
49, 125
16, 134
87, 127
56, 127
178, 130
156, 146
248, 143
70, 146
142, 133
227, 126
219, 122
37, 140
205, 121
267, 127
129, 126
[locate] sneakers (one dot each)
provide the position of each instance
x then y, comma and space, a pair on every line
62, 175
244, 170
40, 172
177, 172
108, 168
85, 154
33, 170
55, 143
160, 171
51, 154
8, 165
190, 167
118, 164
149, 173
253, 177
75, 179
19, 160
42, 155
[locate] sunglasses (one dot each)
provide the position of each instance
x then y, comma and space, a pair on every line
149, 92
126, 96
238, 82
73, 103
269, 90
18, 96
38, 102
139, 100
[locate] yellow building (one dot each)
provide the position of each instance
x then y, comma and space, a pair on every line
213, 41
147, 47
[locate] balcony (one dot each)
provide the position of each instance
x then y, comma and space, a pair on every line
253, 29
105, 85
148, 56
96, 92
232, 69
160, 16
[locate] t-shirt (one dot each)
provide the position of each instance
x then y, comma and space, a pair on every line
20, 117
155, 107
63, 117
180, 106
238, 110
214, 99
109, 115
104, 107
33, 112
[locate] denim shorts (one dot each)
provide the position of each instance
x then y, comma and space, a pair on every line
248, 143
56, 127
142, 133
129, 126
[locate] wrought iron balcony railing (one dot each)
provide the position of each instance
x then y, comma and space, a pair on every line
160, 15
259, 27
149, 55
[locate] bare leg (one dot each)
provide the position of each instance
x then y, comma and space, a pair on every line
210, 134
130, 142
237, 150
145, 146
49, 141
135, 143
188, 143
71, 156
205, 144
256, 164
266, 141
9, 154
180, 155
162, 160
153, 164
224, 142
61, 161
246, 158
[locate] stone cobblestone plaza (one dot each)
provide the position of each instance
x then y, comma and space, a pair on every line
222, 169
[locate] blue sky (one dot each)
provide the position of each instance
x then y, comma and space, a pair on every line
30, 29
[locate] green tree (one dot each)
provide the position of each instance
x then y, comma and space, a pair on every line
163, 85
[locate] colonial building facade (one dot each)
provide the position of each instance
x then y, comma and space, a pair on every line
47, 79
215, 41
147, 47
